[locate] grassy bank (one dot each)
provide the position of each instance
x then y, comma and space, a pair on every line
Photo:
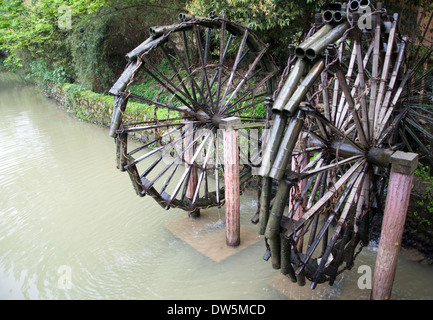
96, 107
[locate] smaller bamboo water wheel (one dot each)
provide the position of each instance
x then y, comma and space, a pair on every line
213, 69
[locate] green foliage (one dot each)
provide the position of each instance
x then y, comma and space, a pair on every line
425, 203
48, 76
32, 29
277, 22
90, 49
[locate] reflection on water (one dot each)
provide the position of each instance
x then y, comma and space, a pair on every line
71, 226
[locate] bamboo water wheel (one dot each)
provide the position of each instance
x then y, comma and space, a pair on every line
215, 69
343, 108
345, 102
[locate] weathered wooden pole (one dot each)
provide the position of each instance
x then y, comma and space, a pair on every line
231, 180
403, 166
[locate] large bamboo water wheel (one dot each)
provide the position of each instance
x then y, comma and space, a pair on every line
214, 69
340, 112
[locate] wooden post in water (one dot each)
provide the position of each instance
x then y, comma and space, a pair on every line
403, 166
231, 180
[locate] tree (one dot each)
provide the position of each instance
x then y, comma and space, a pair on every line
88, 46
277, 22
33, 29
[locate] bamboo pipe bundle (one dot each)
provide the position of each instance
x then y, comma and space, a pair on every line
323, 31
300, 93
273, 144
280, 121
333, 16
317, 47
290, 97
297, 72
285, 149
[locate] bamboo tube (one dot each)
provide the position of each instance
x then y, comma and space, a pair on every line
328, 16
286, 264
273, 144
265, 200
145, 45
375, 71
273, 226
342, 80
297, 97
391, 85
385, 71
354, 5
117, 114
160, 30
361, 77
316, 48
333, 16
338, 16
284, 154
121, 151
125, 78
290, 85
364, 3
275, 248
